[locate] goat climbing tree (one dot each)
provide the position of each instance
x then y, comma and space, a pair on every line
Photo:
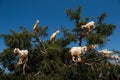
102, 30
56, 63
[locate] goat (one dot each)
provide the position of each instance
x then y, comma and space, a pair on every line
23, 54
105, 52
116, 57
35, 27
53, 36
89, 26
77, 51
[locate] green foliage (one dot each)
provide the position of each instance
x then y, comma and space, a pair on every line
7, 59
74, 15
67, 38
105, 29
101, 18
42, 32
1, 71
20, 40
93, 38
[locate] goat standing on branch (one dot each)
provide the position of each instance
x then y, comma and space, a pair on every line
35, 30
23, 55
116, 57
53, 36
35, 27
76, 53
105, 52
89, 26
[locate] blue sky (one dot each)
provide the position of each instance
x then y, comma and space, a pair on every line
15, 13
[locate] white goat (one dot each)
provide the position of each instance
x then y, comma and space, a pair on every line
53, 36
116, 57
105, 52
35, 27
90, 25
76, 53
23, 54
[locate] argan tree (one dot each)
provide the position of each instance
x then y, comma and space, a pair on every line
49, 61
